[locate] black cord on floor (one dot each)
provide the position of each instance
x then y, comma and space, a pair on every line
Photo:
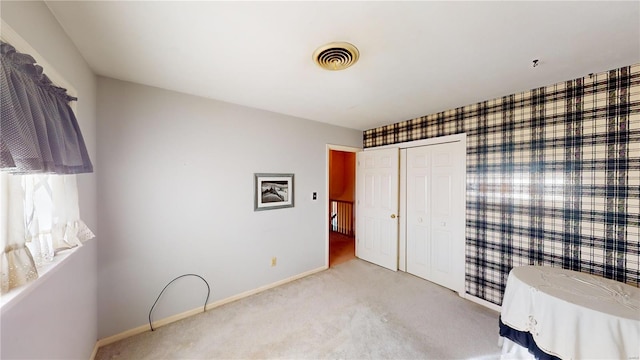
181, 276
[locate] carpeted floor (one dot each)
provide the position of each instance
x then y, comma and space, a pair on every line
354, 310
341, 248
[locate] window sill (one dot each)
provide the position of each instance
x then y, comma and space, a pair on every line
14, 295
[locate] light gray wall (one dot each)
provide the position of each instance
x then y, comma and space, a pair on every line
176, 196
58, 319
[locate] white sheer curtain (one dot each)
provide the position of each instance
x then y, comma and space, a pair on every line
16, 264
39, 217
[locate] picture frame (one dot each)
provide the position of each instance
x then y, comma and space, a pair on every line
273, 191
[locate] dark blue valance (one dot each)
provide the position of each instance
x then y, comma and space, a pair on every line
39, 132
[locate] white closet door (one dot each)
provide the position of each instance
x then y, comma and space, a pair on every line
377, 207
435, 214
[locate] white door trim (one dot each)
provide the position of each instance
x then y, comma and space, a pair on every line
326, 193
431, 141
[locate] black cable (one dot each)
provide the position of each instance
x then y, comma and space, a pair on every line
181, 276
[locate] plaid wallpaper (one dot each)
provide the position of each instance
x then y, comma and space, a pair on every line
553, 178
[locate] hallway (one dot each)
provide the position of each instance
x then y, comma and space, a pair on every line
342, 248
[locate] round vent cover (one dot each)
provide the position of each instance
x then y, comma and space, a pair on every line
336, 56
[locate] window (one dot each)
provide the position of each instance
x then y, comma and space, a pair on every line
41, 150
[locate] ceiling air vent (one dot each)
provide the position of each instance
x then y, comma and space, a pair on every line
336, 56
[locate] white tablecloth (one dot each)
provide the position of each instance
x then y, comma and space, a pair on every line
574, 315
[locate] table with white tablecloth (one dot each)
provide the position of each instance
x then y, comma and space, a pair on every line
572, 315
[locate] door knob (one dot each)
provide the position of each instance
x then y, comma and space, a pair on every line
393, 216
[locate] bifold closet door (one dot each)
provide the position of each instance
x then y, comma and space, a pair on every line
435, 214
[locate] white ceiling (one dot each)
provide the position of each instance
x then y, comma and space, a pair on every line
416, 58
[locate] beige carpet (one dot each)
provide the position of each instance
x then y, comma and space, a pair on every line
354, 310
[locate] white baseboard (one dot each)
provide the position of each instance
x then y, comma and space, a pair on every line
186, 314
482, 302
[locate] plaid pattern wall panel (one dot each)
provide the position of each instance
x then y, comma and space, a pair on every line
553, 178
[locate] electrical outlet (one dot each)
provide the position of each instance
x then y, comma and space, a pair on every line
274, 261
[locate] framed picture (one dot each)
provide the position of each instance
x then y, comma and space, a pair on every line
273, 191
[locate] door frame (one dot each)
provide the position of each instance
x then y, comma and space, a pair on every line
326, 192
402, 238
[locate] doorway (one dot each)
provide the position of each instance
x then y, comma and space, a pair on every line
341, 214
